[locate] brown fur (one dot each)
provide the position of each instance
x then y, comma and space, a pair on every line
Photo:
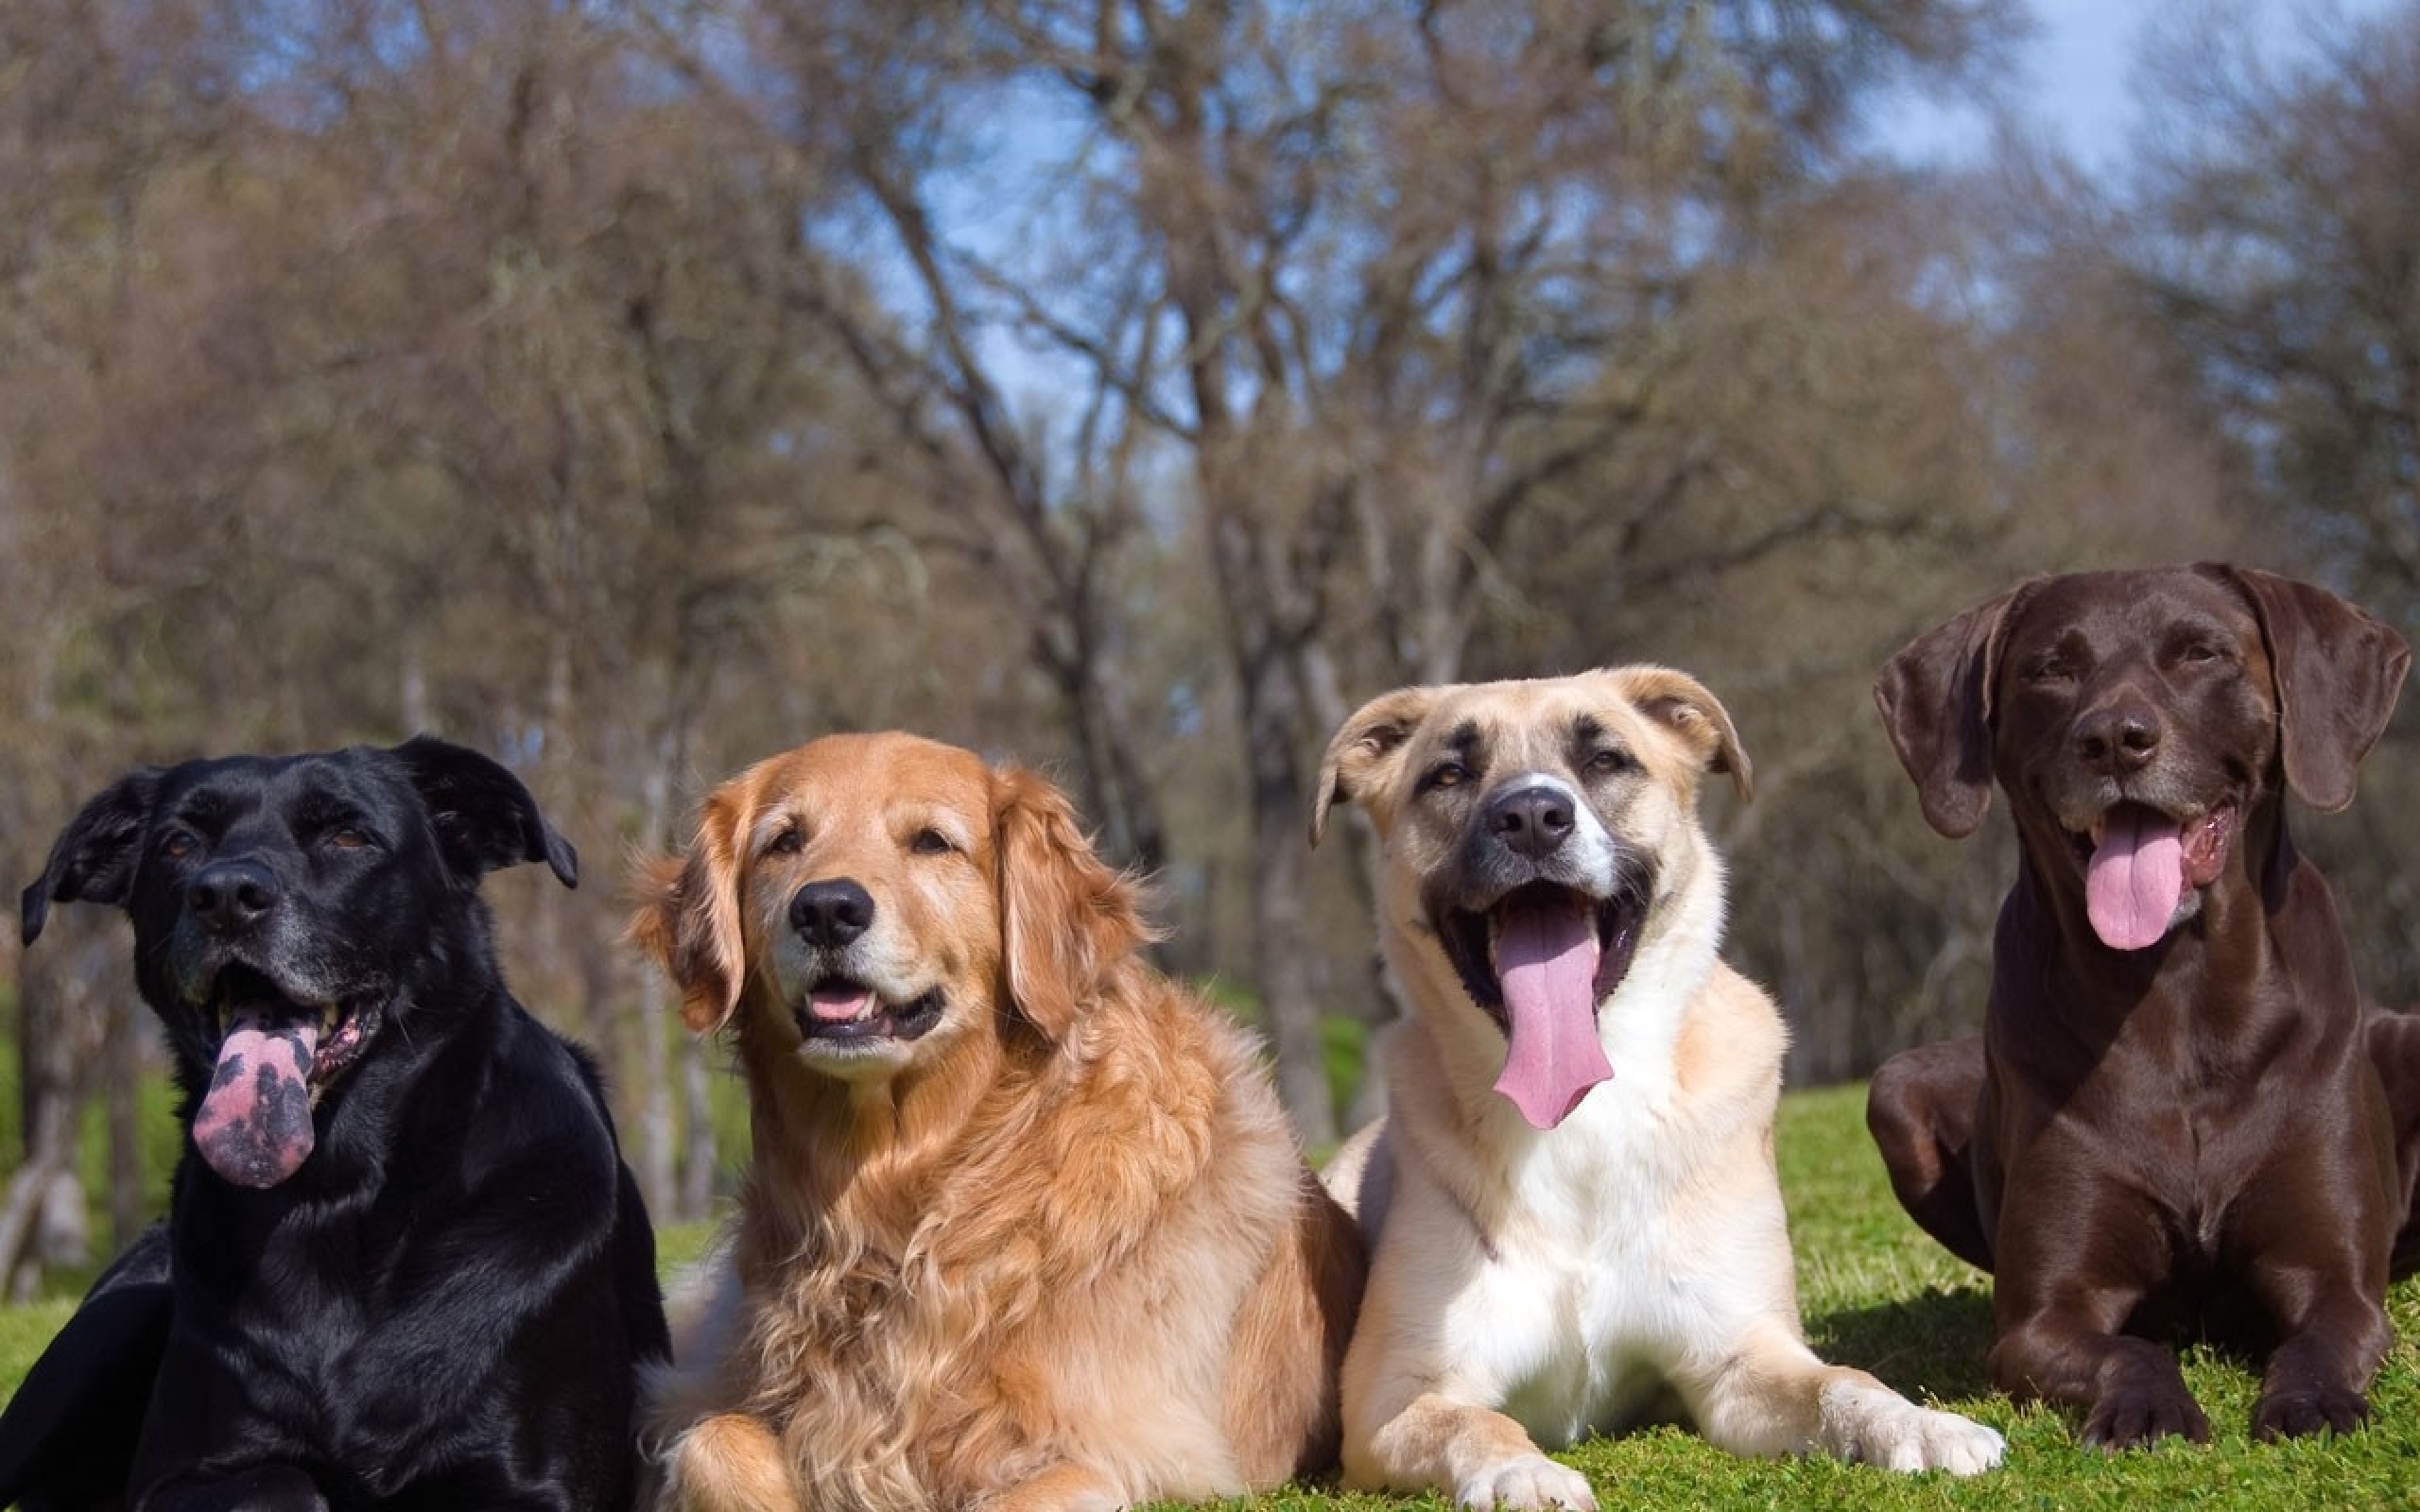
1061, 1250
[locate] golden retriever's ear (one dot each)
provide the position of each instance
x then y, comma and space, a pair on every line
1683, 705
1064, 916
688, 918
1364, 747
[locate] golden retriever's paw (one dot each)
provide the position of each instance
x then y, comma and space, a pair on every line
729, 1463
1870, 1423
1530, 1483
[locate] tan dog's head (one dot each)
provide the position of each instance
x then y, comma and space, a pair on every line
1532, 832
866, 901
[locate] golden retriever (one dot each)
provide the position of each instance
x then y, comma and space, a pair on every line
1024, 1223
1574, 1219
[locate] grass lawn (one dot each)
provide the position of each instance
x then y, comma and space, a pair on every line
1879, 1293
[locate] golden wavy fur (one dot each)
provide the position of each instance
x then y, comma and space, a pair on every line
1025, 1224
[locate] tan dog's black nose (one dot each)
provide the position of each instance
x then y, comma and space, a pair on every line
1532, 820
831, 913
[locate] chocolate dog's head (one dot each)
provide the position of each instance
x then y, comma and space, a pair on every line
2139, 722
291, 912
1532, 832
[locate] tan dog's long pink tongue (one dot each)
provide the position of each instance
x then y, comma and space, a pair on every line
2135, 878
1546, 958
254, 1124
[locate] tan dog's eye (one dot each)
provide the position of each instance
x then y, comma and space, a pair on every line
788, 843
1445, 774
930, 842
1608, 762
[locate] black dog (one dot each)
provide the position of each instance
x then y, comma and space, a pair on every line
404, 1265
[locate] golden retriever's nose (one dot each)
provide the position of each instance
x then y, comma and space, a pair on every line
1533, 820
831, 913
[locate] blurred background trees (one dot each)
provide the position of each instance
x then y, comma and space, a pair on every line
1130, 389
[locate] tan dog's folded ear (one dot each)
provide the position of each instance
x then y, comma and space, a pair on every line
1936, 701
1065, 917
1683, 704
688, 918
2337, 669
1365, 748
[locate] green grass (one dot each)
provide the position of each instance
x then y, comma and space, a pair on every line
1879, 1293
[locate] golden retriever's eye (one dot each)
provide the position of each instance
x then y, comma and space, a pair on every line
788, 843
931, 842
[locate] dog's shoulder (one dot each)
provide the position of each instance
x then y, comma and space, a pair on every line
1731, 1043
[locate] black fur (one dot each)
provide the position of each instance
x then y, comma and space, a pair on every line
446, 1304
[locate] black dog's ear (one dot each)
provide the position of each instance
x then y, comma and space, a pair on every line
93, 860
2337, 669
485, 817
1936, 701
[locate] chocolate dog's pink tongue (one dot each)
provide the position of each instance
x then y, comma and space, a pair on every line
2135, 878
1546, 958
254, 1124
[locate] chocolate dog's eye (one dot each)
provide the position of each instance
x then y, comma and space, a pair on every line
931, 843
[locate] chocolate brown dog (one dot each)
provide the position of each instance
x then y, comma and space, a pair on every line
2180, 1113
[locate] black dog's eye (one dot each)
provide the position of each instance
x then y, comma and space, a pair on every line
931, 842
788, 843
1445, 774
345, 837
178, 844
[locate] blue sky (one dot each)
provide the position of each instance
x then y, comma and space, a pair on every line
2075, 78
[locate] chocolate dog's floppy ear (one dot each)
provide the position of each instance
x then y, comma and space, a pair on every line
688, 921
2338, 670
485, 818
1936, 701
94, 858
1365, 748
1065, 917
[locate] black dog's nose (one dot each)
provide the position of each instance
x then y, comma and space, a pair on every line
230, 895
2120, 737
831, 913
1533, 821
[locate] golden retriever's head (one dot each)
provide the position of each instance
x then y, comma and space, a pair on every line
1531, 834
867, 899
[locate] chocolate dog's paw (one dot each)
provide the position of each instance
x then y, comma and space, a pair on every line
2301, 1413
2141, 1417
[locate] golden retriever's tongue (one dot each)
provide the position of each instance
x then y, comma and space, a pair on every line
254, 1124
2135, 878
1546, 958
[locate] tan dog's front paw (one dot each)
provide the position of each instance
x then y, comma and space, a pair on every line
1530, 1483
1874, 1425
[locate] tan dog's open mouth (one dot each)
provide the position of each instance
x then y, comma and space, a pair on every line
1539, 960
2141, 864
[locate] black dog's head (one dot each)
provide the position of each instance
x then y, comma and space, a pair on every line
289, 912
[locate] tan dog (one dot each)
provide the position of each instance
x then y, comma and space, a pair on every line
1572, 1208
1025, 1224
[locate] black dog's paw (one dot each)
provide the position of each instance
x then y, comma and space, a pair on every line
2141, 1417
2299, 1414
261, 1488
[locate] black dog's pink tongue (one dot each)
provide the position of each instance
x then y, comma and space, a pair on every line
2135, 878
254, 1124
1546, 958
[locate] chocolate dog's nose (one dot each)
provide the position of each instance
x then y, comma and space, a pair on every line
1534, 821
230, 895
2118, 737
831, 913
